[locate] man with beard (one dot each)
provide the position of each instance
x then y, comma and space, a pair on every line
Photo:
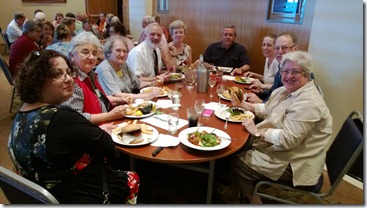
145, 59
228, 53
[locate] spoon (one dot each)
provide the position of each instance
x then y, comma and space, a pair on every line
227, 117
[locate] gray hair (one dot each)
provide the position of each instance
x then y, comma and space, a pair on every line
148, 19
109, 44
176, 25
31, 26
19, 15
302, 58
40, 16
148, 28
83, 38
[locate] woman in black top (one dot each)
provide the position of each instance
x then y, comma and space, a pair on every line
50, 145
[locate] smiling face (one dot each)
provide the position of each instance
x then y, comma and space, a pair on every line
85, 57
154, 35
293, 76
59, 89
228, 37
118, 53
268, 47
47, 30
283, 45
178, 34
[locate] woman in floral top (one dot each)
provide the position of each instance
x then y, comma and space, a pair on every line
58, 148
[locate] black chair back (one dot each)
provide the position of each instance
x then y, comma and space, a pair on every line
19, 190
345, 149
4, 66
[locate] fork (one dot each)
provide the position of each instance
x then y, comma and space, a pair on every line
227, 117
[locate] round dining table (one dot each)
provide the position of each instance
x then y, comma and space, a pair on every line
181, 155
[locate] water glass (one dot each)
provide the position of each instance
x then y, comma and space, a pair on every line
212, 82
173, 119
220, 90
192, 116
176, 98
190, 78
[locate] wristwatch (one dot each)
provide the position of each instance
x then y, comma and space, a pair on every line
257, 134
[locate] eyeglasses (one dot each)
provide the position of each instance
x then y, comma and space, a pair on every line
64, 75
293, 72
284, 48
86, 53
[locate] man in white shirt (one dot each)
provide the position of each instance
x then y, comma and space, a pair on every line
15, 27
145, 59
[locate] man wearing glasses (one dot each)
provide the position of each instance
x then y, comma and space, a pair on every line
284, 43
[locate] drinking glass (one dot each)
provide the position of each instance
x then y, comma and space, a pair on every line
173, 119
199, 107
212, 82
220, 90
192, 116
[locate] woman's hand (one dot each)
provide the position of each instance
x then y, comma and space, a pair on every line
108, 127
172, 50
253, 98
257, 86
250, 126
117, 112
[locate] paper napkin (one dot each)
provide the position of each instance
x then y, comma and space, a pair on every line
161, 121
165, 140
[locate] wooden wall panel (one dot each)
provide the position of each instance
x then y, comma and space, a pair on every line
206, 18
93, 7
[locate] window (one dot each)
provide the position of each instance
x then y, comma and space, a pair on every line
162, 6
286, 11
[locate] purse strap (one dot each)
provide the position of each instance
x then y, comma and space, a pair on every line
104, 185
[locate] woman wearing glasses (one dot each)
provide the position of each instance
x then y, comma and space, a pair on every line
290, 143
49, 144
89, 98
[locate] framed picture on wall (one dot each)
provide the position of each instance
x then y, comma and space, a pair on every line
44, 1
162, 6
286, 11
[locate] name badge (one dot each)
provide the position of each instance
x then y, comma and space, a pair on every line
119, 73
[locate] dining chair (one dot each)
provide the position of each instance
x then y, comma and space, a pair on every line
4, 36
341, 155
4, 66
19, 190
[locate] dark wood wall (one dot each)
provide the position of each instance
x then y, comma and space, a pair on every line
206, 18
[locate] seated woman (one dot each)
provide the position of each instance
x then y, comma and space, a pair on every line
114, 74
271, 64
177, 53
47, 36
89, 98
47, 142
290, 143
24, 45
63, 37
117, 28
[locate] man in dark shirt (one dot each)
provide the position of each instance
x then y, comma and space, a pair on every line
228, 53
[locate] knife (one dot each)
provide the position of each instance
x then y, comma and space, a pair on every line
156, 151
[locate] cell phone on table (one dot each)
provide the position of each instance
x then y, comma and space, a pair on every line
207, 113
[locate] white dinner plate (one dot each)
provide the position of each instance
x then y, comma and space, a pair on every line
229, 99
165, 93
225, 69
248, 80
144, 115
147, 139
221, 113
223, 144
182, 77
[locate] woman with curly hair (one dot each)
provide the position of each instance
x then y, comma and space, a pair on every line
47, 142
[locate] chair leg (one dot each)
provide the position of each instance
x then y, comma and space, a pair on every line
12, 101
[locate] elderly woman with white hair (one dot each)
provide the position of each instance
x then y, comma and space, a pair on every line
290, 143
89, 98
115, 76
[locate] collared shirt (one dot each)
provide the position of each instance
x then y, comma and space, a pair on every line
114, 82
298, 127
235, 56
14, 31
141, 60
269, 72
85, 98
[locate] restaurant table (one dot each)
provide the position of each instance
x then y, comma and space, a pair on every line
183, 156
